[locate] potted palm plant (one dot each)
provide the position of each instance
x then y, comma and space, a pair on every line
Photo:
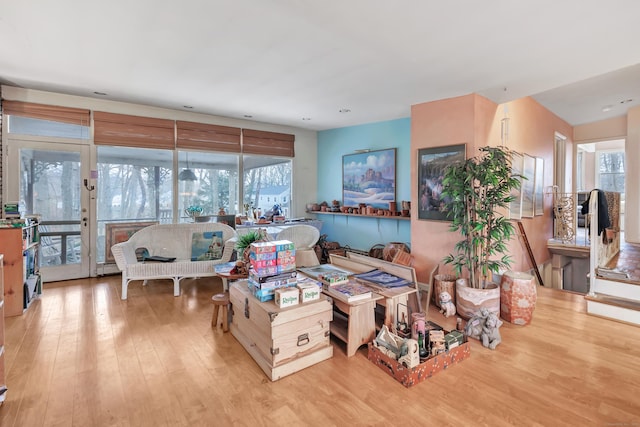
476, 191
244, 241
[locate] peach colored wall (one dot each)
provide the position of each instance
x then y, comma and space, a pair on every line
601, 130
434, 124
475, 120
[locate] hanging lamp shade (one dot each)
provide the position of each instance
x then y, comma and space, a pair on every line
187, 175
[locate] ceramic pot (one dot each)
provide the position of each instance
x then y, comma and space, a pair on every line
518, 295
469, 300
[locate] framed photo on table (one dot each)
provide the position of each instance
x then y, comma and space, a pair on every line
369, 177
431, 165
118, 232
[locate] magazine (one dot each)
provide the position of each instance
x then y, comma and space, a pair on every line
382, 278
349, 292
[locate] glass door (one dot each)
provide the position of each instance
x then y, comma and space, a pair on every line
50, 180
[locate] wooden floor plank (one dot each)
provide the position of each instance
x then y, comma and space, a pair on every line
80, 356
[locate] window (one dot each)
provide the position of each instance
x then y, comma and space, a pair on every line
38, 127
611, 171
134, 184
215, 185
271, 175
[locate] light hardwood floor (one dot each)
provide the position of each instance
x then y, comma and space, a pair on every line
82, 357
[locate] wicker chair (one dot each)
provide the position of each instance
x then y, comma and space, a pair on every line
304, 237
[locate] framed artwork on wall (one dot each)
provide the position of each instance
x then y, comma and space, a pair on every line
515, 207
528, 186
431, 165
539, 187
117, 232
369, 177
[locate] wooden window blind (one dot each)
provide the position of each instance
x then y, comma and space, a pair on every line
208, 137
75, 116
133, 131
267, 143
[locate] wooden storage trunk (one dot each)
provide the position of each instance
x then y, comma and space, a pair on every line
412, 376
281, 340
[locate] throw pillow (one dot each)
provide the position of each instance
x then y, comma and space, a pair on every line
206, 246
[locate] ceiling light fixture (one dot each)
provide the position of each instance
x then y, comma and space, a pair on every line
607, 108
248, 116
344, 110
626, 101
306, 118
187, 174
188, 107
100, 93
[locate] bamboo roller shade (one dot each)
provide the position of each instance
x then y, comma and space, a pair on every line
75, 116
133, 131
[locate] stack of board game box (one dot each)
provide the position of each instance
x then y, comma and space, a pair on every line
272, 267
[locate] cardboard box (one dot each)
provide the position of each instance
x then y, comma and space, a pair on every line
287, 297
263, 255
411, 376
262, 247
268, 278
453, 339
309, 292
262, 263
283, 245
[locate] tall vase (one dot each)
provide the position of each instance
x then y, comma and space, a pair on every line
518, 295
469, 301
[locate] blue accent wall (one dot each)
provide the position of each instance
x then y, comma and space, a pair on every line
355, 232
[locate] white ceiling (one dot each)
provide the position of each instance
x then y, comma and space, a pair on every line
280, 61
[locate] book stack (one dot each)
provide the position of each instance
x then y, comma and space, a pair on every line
12, 210
264, 287
350, 291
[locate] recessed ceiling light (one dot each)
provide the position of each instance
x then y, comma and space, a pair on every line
248, 116
344, 110
189, 107
607, 108
100, 93
306, 118
626, 101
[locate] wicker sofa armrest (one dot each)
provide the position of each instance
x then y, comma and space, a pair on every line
124, 254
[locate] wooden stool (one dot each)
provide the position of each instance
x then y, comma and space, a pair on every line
221, 300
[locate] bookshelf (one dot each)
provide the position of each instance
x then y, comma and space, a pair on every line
20, 244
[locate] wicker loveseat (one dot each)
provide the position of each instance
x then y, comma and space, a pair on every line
172, 241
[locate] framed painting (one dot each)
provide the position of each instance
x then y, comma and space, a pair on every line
431, 165
117, 232
515, 207
528, 186
539, 187
369, 177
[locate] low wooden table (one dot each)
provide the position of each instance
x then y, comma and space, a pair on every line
233, 277
358, 325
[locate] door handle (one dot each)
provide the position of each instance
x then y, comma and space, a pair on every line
84, 220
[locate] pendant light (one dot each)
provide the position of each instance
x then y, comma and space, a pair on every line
187, 174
